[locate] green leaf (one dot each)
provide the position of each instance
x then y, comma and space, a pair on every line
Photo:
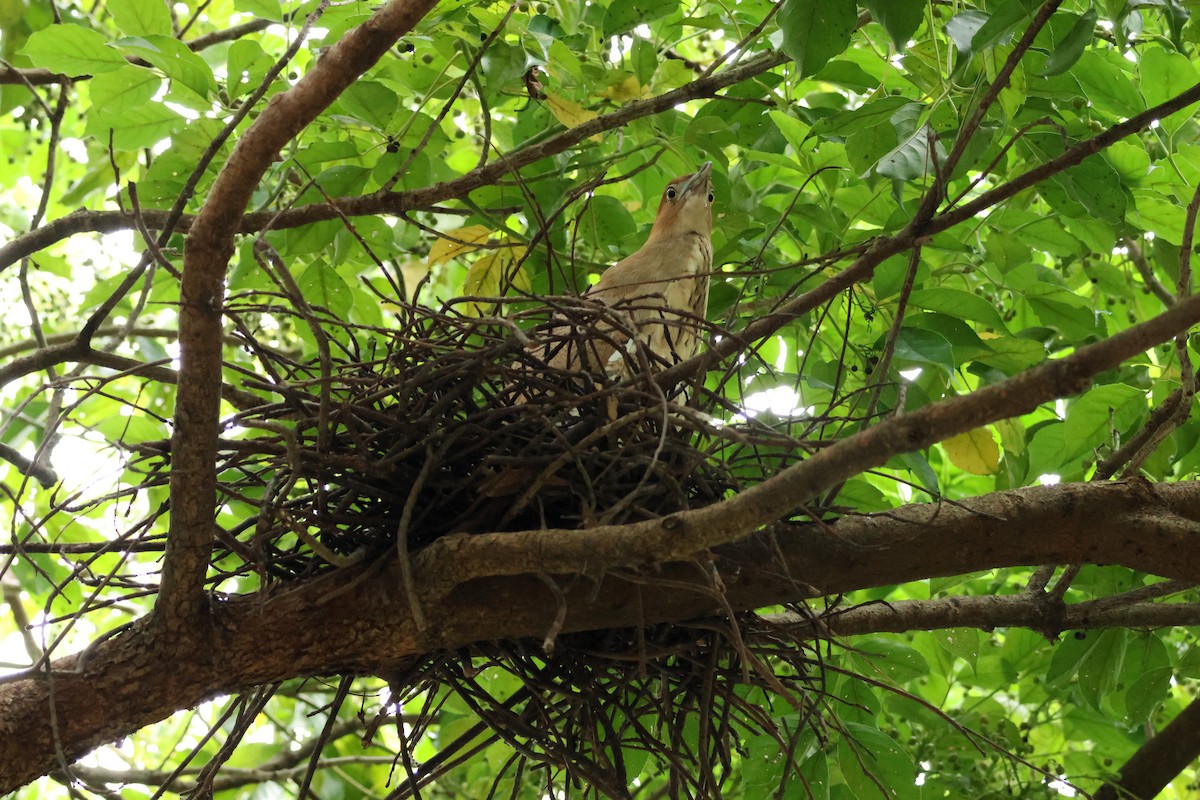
815, 31
309, 239
1162, 216
1107, 86
1092, 183
246, 66
370, 102
939, 585
175, 60
901, 661
1068, 657
1046, 449
1071, 47
564, 58
999, 26
848, 74
1094, 418
1100, 671
625, 14
857, 701
341, 180
140, 17
114, 93
792, 129
867, 146
1163, 76
1065, 311
911, 157
876, 113
900, 18
606, 225
961, 28
502, 66
137, 127
960, 642
263, 9
1146, 675
958, 303
72, 50
323, 287
965, 344
869, 758
1189, 662
916, 346
1011, 355
918, 465
644, 56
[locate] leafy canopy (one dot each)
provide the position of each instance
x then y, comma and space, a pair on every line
829, 139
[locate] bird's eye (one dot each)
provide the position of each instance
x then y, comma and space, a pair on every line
671, 192
711, 197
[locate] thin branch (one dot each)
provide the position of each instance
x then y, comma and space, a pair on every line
209, 246
44, 77
1138, 258
864, 266
398, 203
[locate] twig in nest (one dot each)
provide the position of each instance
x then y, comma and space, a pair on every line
410, 589
559, 618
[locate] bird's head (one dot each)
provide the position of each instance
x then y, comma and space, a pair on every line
686, 205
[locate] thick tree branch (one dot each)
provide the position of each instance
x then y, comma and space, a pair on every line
989, 611
1158, 761
359, 619
206, 257
684, 534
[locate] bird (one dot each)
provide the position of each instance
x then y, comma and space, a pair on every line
656, 297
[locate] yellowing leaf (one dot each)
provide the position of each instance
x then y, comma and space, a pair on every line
568, 112
624, 91
494, 275
517, 278
456, 242
413, 272
974, 451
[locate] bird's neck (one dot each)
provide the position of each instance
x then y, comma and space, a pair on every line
674, 233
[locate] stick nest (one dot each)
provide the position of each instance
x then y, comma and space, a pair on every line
449, 423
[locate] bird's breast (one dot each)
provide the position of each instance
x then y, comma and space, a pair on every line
697, 255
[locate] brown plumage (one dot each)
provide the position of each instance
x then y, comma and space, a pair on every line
659, 293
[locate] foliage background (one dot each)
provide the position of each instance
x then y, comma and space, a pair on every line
826, 140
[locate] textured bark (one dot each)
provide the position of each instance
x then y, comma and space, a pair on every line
358, 620
1158, 762
677, 536
201, 300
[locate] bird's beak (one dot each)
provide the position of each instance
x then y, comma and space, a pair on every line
698, 178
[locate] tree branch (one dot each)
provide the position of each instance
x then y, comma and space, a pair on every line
988, 611
684, 534
206, 256
863, 268
398, 203
1158, 761
359, 619
44, 77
